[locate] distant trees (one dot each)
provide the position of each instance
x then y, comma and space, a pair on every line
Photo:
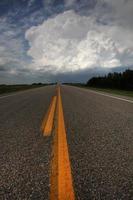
113, 80
37, 83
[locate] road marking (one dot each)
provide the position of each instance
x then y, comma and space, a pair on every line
47, 123
107, 95
61, 177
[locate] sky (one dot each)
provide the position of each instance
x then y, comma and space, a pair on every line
64, 40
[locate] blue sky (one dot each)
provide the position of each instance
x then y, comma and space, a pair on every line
64, 40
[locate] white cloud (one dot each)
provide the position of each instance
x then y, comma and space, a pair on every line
69, 42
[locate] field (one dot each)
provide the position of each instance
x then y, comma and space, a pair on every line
14, 88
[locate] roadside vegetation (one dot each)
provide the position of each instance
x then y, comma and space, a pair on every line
120, 81
114, 83
113, 91
14, 88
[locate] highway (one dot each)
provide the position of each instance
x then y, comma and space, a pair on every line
97, 145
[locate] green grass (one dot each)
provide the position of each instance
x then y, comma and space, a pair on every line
15, 88
107, 90
113, 91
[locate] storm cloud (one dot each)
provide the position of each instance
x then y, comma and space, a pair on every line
65, 40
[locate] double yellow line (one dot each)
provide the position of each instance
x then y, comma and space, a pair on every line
61, 184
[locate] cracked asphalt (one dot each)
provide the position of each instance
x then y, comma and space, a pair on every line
100, 141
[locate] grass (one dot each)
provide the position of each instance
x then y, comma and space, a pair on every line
107, 90
15, 88
113, 91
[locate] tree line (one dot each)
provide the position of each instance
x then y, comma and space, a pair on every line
114, 80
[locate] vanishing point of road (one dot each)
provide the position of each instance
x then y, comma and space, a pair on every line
65, 143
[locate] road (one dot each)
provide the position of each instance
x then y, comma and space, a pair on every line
99, 133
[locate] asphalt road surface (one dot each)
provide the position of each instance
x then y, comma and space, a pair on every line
100, 141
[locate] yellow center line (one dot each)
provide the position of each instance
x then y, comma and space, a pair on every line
61, 177
47, 123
